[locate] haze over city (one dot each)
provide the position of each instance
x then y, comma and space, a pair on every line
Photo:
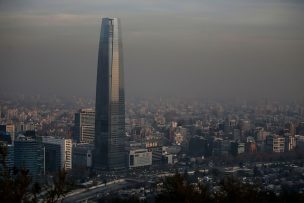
151, 101
210, 49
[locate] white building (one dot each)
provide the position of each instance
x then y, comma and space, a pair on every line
140, 157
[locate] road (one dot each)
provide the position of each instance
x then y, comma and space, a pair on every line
93, 192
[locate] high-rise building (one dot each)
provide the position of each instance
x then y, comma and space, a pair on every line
29, 154
237, 148
290, 142
84, 126
110, 99
275, 143
197, 146
52, 157
82, 156
8, 162
58, 153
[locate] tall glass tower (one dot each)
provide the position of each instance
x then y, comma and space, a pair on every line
110, 99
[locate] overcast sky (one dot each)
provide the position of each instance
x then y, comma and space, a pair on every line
194, 48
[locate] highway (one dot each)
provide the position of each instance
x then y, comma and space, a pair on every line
92, 193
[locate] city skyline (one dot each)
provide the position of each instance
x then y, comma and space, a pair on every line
184, 101
172, 48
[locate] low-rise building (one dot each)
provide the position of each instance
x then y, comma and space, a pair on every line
140, 158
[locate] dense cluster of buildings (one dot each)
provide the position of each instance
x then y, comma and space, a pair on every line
75, 136
157, 133
41, 155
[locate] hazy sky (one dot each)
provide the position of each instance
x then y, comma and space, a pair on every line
193, 48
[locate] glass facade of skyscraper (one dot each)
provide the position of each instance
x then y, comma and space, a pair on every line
110, 99
29, 154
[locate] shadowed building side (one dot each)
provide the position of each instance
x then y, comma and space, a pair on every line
110, 99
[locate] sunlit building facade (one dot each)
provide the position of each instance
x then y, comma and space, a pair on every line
85, 126
110, 99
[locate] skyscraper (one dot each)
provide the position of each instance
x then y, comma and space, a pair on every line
110, 99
